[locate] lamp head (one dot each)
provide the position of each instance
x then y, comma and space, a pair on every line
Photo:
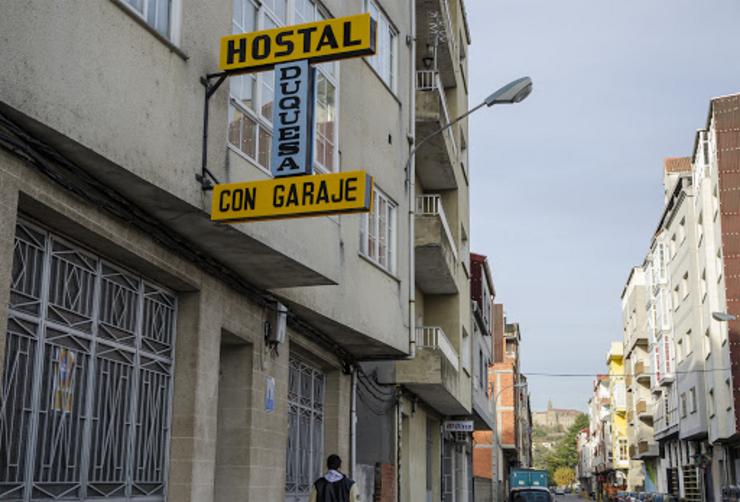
511, 93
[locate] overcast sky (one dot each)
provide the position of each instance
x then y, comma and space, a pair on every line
567, 186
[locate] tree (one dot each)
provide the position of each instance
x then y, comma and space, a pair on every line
564, 476
565, 453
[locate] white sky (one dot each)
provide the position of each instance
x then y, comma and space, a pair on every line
566, 186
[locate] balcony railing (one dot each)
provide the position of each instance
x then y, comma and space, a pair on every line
434, 338
641, 372
429, 81
431, 205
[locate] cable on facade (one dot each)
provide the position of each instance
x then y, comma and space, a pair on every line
80, 183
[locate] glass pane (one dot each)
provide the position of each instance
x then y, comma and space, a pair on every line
163, 17
264, 147
249, 135
237, 15
267, 94
235, 122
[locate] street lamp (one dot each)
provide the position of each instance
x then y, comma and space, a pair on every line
513, 92
723, 317
496, 446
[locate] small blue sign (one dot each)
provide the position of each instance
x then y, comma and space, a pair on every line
269, 394
292, 120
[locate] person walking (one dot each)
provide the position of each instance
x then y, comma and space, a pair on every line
334, 486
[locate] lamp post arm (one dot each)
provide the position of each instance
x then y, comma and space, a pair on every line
440, 130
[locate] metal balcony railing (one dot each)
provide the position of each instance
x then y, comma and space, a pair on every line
431, 205
434, 338
429, 81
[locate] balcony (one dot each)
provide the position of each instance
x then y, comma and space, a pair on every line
636, 338
437, 38
433, 373
641, 372
436, 159
647, 448
436, 253
644, 412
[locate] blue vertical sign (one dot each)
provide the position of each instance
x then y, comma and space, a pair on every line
269, 394
292, 120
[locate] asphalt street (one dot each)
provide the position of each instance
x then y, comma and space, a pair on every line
568, 498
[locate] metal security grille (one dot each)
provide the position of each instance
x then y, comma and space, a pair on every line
86, 392
305, 453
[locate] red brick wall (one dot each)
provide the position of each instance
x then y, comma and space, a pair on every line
385, 483
483, 454
727, 124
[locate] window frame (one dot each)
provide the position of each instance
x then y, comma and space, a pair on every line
330, 71
391, 258
174, 15
384, 21
102, 334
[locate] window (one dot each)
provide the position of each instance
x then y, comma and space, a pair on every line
305, 455
680, 350
682, 230
251, 95
378, 232
510, 348
384, 60
157, 14
94, 344
700, 229
703, 285
707, 344
685, 286
711, 404
623, 450
683, 405
692, 399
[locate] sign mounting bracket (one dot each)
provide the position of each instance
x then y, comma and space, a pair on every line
206, 177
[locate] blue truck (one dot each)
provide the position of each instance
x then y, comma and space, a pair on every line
529, 485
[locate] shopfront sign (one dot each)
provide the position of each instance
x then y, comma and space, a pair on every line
459, 426
324, 40
346, 192
295, 191
292, 119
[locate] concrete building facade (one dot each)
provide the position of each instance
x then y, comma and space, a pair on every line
152, 339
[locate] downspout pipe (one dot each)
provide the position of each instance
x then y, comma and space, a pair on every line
353, 425
411, 183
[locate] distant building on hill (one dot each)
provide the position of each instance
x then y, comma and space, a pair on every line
554, 417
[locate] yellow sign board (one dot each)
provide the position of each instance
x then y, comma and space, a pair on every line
296, 196
319, 41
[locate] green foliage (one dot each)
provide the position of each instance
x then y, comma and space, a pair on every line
564, 454
564, 476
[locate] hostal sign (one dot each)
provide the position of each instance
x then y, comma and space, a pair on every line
295, 191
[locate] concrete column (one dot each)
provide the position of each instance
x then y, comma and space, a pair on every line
8, 215
194, 427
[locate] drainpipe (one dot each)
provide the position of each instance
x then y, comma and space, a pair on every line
353, 425
399, 435
411, 175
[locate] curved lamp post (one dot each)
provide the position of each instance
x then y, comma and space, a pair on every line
513, 92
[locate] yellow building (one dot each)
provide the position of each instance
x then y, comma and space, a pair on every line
617, 429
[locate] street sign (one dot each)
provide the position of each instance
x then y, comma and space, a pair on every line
292, 119
324, 40
296, 196
459, 426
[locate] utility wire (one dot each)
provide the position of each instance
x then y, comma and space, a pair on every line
621, 375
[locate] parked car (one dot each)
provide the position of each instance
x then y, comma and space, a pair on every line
531, 494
